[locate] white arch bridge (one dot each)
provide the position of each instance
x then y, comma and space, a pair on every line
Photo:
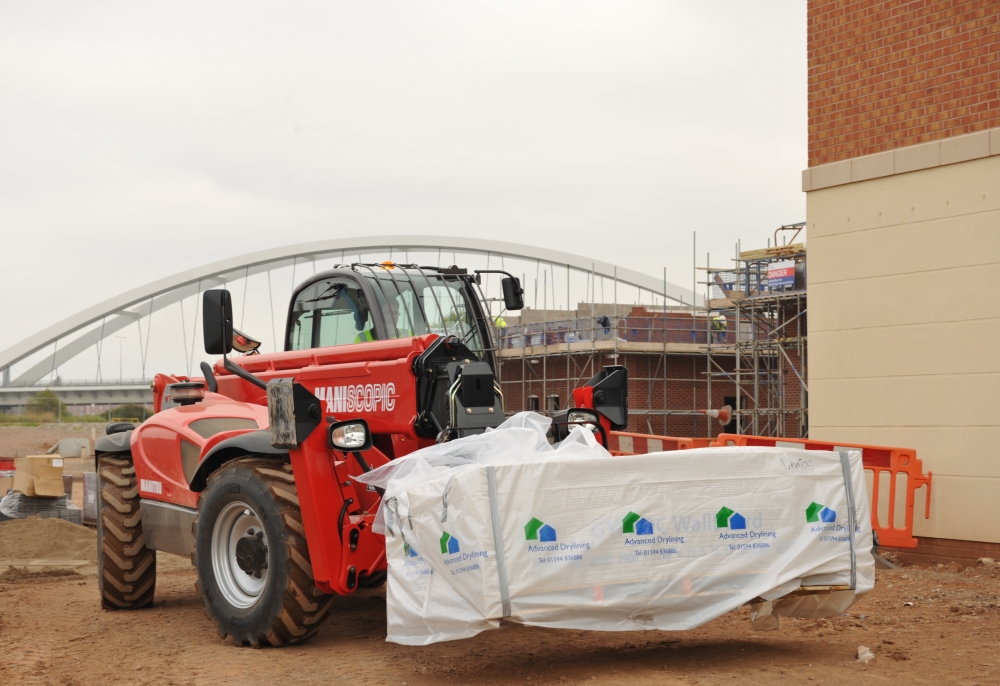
34, 363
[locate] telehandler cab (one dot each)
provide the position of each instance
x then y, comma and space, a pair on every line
250, 469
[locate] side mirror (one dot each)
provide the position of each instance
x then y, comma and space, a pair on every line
217, 321
513, 294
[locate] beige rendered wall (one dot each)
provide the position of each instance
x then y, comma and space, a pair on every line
904, 340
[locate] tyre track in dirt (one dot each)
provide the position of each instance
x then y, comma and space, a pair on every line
54, 632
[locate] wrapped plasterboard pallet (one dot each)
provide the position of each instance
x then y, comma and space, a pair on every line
503, 526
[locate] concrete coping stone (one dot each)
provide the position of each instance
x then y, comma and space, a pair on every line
911, 158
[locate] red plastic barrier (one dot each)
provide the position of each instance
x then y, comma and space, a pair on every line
626, 443
877, 459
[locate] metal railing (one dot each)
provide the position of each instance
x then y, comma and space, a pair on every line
628, 329
62, 383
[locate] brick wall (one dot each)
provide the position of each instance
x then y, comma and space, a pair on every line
684, 388
883, 75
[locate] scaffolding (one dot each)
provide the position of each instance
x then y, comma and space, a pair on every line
747, 348
663, 348
765, 296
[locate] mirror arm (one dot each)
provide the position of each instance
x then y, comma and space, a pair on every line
239, 371
495, 271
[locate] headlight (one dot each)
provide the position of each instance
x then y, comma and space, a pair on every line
587, 418
185, 393
350, 435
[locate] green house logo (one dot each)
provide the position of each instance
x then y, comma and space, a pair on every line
820, 513
537, 530
730, 519
449, 544
636, 524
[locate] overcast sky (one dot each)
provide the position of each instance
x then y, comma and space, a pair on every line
138, 140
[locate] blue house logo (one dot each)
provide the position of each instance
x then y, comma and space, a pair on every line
634, 524
449, 544
820, 513
726, 518
537, 530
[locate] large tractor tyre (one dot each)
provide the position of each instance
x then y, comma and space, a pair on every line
251, 556
375, 580
126, 568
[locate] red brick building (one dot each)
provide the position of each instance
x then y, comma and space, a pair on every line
903, 209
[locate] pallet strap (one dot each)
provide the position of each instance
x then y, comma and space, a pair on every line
845, 465
491, 481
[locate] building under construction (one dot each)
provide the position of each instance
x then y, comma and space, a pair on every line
747, 349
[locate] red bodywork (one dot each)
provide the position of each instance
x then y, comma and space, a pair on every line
379, 373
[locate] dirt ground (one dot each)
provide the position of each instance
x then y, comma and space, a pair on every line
18, 441
53, 632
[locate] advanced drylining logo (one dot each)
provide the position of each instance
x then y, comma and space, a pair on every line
637, 525
460, 562
537, 530
409, 550
638, 531
825, 520
449, 544
729, 519
820, 513
746, 537
552, 551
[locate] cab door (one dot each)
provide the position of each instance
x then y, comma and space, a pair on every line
332, 310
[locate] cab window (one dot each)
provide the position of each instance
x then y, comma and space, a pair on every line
330, 312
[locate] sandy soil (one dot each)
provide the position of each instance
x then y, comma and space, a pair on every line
53, 632
53, 539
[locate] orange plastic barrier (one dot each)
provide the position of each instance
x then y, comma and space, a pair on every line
878, 460
626, 443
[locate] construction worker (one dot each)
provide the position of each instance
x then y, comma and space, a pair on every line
368, 335
365, 336
395, 307
719, 327
501, 325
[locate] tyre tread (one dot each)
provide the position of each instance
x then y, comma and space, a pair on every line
128, 567
303, 606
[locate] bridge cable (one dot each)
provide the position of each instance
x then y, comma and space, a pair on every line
243, 310
144, 351
184, 338
270, 300
194, 327
100, 347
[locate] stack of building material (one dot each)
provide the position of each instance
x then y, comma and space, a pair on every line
38, 488
504, 526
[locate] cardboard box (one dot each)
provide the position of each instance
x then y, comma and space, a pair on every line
6, 483
39, 476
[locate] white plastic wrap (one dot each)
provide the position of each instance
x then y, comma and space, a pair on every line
503, 525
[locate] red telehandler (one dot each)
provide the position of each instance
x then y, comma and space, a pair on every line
250, 469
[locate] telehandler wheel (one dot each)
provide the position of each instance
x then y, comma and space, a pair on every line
126, 568
251, 556
373, 581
